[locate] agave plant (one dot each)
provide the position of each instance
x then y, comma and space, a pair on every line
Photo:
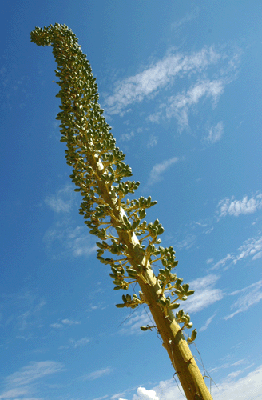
100, 175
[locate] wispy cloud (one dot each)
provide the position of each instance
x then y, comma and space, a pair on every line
152, 141
158, 75
70, 322
133, 323
126, 137
205, 294
245, 388
215, 133
80, 342
63, 200
25, 382
188, 17
64, 239
236, 207
97, 374
251, 247
159, 169
30, 317
208, 322
208, 72
22, 313
227, 365
178, 106
101, 398
64, 322
222, 262
187, 242
248, 296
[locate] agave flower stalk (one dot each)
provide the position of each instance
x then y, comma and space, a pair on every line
100, 174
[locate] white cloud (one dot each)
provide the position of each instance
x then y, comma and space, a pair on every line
32, 372
63, 200
64, 322
158, 75
97, 374
215, 133
76, 241
205, 294
187, 243
249, 296
15, 393
118, 396
179, 105
159, 169
68, 321
188, 17
100, 398
179, 82
222, 262
143, 394
79, 343
125, 137
24, 381
236, 207
256, 256
133, 323
29, 317
56, 325
251, 247
152, 141
208, 322
27, 308
154, 117
245, 388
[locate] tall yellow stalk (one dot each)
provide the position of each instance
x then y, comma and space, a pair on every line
99, 173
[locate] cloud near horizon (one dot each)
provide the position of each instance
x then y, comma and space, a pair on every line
244, 388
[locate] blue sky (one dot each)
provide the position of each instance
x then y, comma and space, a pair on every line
180, 82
